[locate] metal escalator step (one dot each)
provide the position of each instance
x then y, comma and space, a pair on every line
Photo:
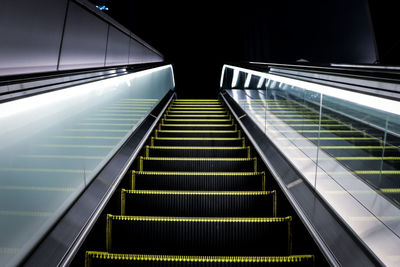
175, 108
196, 112
198, 133
97, 258
198, 164
197, 116
198, 203
196, 127
218, 181
198, 151
197, 141
197, 121
199, 235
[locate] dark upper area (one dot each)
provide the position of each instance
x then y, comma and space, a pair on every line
199, 36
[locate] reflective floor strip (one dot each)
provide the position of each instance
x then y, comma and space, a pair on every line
98, 130
107, 124
87, 137
37, 188
75, 146
45, 170
61, 156
25, 213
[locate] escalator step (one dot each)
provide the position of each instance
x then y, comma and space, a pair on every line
198, 116
199, 236
195, 127
198, 133
198, 203
197, 141
224, 181
198, 164
197, 152
197, 112
96, 258
197, 121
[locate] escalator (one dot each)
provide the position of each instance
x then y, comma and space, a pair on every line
197, 196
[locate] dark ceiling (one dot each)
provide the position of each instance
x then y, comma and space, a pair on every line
199, 36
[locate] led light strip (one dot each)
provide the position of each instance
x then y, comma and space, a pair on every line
383, 104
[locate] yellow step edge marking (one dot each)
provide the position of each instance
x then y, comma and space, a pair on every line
198, 173
216, 116
199, 147
75, 146
198, 120
199, 138
196, 100
45, 170
197, 131
200, 219
37, 188
25, 213
194, 111
199, 105
180, 192
197, 259
196, 125
60, 156
87, 137
98, 130
390, 190
199, 159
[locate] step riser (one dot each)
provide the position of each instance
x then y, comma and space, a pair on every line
199, 153
198, 166
198, 238
198, 182
198, 127
187, 205
205, 134
184, 143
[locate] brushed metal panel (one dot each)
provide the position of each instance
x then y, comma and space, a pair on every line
85, 40
30, 35
138, 54
117, 48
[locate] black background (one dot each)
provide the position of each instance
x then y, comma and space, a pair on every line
198, 37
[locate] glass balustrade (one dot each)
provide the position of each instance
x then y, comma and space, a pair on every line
53, 144
345, 144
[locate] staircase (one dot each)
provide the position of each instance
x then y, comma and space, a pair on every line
197, 198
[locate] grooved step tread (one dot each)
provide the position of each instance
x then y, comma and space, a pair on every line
199, 235
97, 257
